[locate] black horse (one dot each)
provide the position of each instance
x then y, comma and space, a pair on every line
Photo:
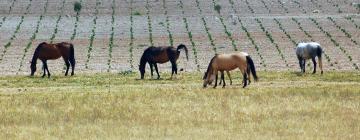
163, 54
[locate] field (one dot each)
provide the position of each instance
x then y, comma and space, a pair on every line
104, 100
88, 107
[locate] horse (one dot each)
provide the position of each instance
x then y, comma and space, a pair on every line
247, 72
45, 51
309, 50
162, 54
228, 62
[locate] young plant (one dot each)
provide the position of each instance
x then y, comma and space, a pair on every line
33, 37
171, 40
334, 42
131, 44
57, 22
77, 9
227, 32
249, 36
92, 37
149, 22
111, 42
189, 35
9, 12
17, 29
206, 27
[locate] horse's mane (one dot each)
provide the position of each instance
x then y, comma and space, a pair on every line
209, 66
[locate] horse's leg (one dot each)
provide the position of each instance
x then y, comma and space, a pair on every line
248, 74
244, 71
216, 79
44, 68
151, 69
222, 73
303, 64
223, 79
157, 71
72, 62
174, 67
228, 74
47, 69
67, 63
314, 62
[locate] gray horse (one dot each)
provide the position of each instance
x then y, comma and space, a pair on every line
309, 50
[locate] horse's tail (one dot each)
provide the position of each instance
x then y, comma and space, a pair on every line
251, 65
72, 54
319, 52
182, 46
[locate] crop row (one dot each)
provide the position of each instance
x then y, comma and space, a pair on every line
9, 12
92, 37
181, 5
269, 36
248, 35
149, 22
206, 27
77, 17
111, 43
347, 34
217, 8
33, 37
334, 42
131, 44
17, 29
57, 22
353, 22
167, 22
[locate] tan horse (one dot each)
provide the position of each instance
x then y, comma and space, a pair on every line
248, 73
228, 62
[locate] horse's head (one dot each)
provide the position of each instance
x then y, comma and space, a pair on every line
33, 68
208, 78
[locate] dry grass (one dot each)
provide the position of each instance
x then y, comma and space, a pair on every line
281, 105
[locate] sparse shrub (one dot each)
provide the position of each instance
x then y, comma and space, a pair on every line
217, 8
77, 7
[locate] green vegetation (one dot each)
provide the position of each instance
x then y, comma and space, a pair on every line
77, 19
193, 45
57, 22
206, 27
217, 7
33, 37
93, 34
131, 44
17, 29
281, 105
248, 35
77, 6
111, 40
227, 32
149, 23
9, 12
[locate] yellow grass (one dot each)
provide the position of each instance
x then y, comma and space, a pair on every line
281, 105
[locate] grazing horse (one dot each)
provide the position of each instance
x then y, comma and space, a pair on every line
154, 55
309, 50
247, 72
228, 62
45, 51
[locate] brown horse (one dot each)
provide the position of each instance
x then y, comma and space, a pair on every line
154, 55
46, 51
228, 62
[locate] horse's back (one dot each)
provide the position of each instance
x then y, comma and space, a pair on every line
48, 51
230, 61
307, 50
159, 54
